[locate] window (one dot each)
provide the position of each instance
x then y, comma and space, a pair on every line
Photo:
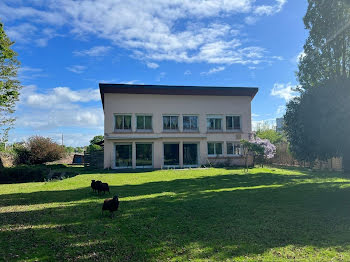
233, 122
170, 122
171, 154
144, 122
123, 155
123, 122
143, 155
214, 123
234, 149
190, 123
214, 149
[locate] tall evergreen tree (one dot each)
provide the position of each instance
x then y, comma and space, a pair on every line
316, 123
9, 84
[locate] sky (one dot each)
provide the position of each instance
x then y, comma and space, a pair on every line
67, 47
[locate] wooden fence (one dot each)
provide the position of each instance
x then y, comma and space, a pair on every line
284, 158
94, 159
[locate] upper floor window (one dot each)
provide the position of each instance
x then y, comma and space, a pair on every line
190, 123
234, 149
123, 122
214, 123
233, 122
214, 149
170, 122
143, 122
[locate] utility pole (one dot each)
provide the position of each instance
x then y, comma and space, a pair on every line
62, 139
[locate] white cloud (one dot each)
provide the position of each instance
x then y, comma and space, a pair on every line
270, 9
214, 70
21, 33
300, 56
78, 69
79, 117
58, 97
267, 10
150, 30
281, 110
160, 76
284, 91
152, 65
29, 73
94, 51
187, 72
251, 20
131, 82
59, 107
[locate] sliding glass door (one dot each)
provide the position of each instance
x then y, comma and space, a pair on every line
144, 155
190, 154
123, 155
171, 154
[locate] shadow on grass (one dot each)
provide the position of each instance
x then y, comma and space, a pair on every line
215, 218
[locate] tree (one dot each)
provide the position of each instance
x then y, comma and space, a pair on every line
259, 149
272, 135
315, 122
9, 85
94, 144
38, 150
43, 149
327, 48
96, 139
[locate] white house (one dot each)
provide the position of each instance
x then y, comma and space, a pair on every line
157, 126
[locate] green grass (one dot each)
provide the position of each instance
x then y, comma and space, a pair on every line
180, 215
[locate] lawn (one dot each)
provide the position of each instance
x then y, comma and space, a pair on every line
266, 214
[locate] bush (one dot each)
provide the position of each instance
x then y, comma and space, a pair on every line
23, 173
43, 149
22, 154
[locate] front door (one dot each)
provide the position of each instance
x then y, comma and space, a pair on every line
190, 154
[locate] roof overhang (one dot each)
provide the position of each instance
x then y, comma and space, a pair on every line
176, 90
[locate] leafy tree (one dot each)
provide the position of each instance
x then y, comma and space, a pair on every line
96, 140
315, 122
259, 149
327, 49
69, 149
9, 85
272, 135
93, 144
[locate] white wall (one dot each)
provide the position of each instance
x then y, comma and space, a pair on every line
159, 105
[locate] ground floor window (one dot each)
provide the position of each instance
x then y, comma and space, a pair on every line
234, 149
144, 155
214, 149
190, 154
123, 155
171, 154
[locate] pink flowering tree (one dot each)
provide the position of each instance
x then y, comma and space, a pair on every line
260, 149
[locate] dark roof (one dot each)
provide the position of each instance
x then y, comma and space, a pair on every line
176, 90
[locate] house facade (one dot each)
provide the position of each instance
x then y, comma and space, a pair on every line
174, 126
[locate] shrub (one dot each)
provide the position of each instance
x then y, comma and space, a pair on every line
23, 173
43, 149
22, 154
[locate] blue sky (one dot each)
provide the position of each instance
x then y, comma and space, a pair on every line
67, 47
